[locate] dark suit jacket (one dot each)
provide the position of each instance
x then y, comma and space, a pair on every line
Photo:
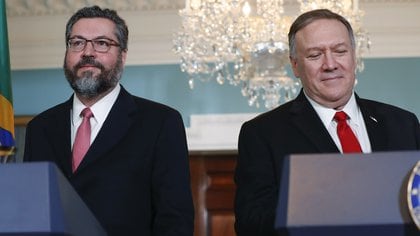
135, 176
296, 128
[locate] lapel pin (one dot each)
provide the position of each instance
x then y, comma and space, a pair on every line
373, 118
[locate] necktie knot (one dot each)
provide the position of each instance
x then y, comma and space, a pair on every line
86, 113
340, 116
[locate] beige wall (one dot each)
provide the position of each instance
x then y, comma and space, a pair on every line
37, 28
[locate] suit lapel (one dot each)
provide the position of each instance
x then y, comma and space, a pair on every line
58, 134
114, 128
308, 122
374, 125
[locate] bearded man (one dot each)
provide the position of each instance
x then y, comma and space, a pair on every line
125, 156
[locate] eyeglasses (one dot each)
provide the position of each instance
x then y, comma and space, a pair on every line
99, 45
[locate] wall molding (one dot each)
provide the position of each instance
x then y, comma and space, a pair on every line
211, 132
36, 29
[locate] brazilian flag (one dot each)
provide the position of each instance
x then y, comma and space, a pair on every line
7, 130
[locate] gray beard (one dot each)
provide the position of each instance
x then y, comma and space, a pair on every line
89, 86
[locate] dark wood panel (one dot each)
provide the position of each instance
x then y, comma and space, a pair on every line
213, 192
221, 224
22, 120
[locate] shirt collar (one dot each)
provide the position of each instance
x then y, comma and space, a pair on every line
100, 109
327, 114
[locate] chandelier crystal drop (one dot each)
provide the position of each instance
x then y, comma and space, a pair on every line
243, 43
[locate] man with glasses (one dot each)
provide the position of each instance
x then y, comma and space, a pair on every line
126, 156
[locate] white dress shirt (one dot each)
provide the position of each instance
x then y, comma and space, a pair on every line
355, 121
100, 111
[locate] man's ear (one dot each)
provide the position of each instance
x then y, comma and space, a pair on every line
124, 56
294, 64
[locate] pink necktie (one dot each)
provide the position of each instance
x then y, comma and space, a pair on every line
348, 140
82, 140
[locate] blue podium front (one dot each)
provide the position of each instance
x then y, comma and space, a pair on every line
36, 199
353, 194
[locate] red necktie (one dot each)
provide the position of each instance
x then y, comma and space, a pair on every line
348, 140
82, 140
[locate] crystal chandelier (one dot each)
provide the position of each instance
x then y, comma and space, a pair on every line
242, 43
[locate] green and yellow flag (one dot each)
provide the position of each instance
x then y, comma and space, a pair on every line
7, 130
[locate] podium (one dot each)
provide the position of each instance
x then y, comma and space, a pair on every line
36, 199
353, 194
